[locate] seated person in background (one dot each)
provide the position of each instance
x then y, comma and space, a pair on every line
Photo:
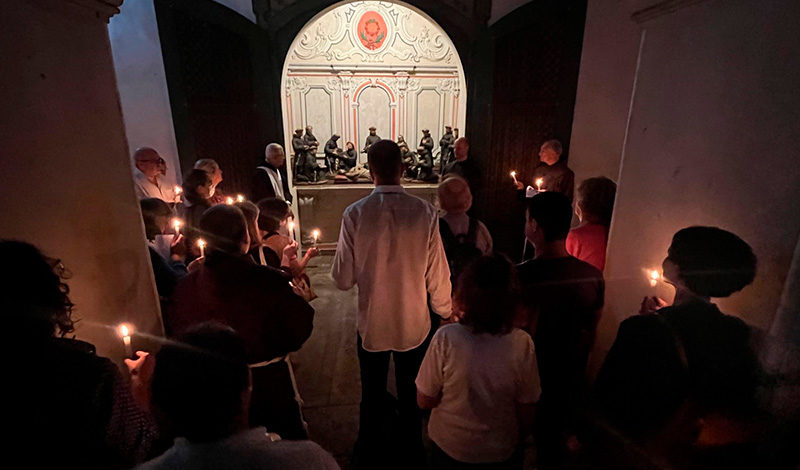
686, 376
272, 219
64, 403
587, 241
197, 190
349, 158
156, 214
258, 302
148, 173
202, 390
215, 172
563, 297
480, 376
464, 237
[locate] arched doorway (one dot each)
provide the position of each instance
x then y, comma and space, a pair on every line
370, 63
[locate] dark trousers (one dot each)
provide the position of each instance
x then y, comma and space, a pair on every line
384, 437
441, 461
273, 404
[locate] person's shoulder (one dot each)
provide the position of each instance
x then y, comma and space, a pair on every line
166, 461
303, 454
583, 268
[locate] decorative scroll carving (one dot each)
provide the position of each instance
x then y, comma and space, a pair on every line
296, 84
448, 85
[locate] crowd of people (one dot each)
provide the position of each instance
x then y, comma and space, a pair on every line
493, 353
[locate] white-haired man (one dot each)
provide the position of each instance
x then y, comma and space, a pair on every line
270, 179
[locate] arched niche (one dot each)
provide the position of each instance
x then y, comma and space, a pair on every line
364, 61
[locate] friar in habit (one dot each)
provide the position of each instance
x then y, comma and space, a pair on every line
446, 146
332, 152
299, 148
425, 152
371, 139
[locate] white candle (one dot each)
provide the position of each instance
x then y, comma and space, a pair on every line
290, 227
178, 190
202, 244
126, 331
239, 198
514, 175
315, 235
539, 182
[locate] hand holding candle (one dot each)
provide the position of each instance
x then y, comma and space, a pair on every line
202, 245
126, 330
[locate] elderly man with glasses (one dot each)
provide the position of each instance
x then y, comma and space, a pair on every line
150, 167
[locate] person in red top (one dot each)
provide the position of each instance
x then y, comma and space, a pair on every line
587, 241
256, 301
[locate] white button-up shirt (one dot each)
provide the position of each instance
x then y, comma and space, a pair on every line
390, 246
145, 189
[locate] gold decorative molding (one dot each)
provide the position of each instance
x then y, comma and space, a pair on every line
661, 8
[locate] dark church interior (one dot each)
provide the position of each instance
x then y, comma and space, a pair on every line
417, 234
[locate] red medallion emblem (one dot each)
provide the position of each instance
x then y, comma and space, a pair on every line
372, 30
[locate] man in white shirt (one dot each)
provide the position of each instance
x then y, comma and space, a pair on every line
270, 179
389, 245
150, 167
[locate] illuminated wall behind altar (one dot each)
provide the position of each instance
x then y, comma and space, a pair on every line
379, 64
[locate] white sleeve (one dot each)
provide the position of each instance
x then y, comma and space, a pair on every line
529, 388
343, 267
437, 274
430, 378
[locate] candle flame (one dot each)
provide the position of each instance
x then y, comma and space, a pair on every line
125, 329
229, 200
539, 182
654, 277
291, 226
201, 243
178, 190
315, 234
176, 222
513, 174
239, 198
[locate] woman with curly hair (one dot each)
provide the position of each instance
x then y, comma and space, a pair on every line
75, 406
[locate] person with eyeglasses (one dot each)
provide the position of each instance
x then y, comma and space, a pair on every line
150, 168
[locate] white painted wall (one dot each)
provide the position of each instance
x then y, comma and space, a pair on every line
66, 175
712, 140
142, 81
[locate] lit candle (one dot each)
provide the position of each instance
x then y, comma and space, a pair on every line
514, 175
176, 224
177, 190
539, 182
290, 226
315, 235
653, 276
239, 198
202, 245
229, 200
126, 330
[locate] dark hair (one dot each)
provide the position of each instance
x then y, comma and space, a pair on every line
596, 199
555, 145
273, 211
385, 160
153, 207
225, 227
251, 212
712, 262
198, 382
487, 293
32, 296
195, 178
552, 212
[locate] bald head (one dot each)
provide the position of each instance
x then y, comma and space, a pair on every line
149, 162
274, 155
